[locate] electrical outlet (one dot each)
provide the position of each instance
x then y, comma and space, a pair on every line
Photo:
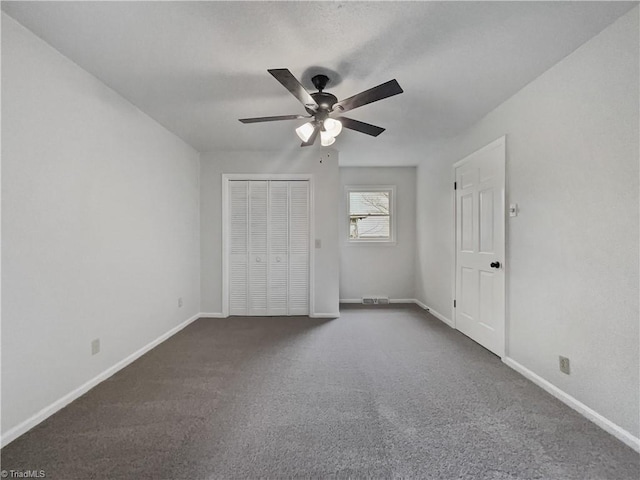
565, 366
180, 302
95, 346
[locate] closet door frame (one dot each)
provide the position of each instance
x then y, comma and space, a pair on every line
226, 178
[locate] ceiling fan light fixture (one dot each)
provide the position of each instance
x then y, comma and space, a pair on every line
321, 104
333, 126
305, 131
326, 139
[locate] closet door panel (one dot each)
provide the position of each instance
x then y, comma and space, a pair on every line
299, 248
278, 298
238, 249
258, 251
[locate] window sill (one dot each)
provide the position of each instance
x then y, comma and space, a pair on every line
371, 243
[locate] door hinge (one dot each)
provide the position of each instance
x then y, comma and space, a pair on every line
455, 185
454, 304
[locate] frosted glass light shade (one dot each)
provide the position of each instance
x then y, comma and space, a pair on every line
326, 139
305, 131
333, 126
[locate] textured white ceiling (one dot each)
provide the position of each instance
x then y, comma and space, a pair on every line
196, 67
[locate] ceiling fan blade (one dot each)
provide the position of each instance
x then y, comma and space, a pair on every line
385, 90
359, 126
272, 119
286, 78
312, 138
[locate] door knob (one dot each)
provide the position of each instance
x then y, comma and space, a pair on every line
258, 259
278, 259
495, 264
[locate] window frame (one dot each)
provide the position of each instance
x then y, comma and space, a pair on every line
391, 241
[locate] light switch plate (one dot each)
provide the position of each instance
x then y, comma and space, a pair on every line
513, 210
318, 243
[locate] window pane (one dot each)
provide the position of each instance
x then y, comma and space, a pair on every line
369, 203
369, 215
373, 227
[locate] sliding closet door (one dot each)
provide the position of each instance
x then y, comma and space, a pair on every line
268, 247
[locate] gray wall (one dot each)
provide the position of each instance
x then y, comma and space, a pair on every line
100, 226
323, 164
380, 269
572, 253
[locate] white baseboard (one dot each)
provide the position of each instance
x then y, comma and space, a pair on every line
422, 305
604, 423
436, 314
350, 300
46, 412
312, 315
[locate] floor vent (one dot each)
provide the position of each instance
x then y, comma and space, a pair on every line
375, 300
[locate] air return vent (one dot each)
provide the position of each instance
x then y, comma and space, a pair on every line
373, 300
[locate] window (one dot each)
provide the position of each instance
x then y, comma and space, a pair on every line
371, 212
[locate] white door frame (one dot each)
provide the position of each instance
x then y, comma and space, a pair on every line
226, 178
501, 143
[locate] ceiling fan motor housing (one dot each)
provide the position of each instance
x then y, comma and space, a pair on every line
325, 101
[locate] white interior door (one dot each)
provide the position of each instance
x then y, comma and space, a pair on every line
268, 237
480, 246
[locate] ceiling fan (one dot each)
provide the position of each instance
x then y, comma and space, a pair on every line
325, 109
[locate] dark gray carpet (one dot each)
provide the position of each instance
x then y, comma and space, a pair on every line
381, 392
